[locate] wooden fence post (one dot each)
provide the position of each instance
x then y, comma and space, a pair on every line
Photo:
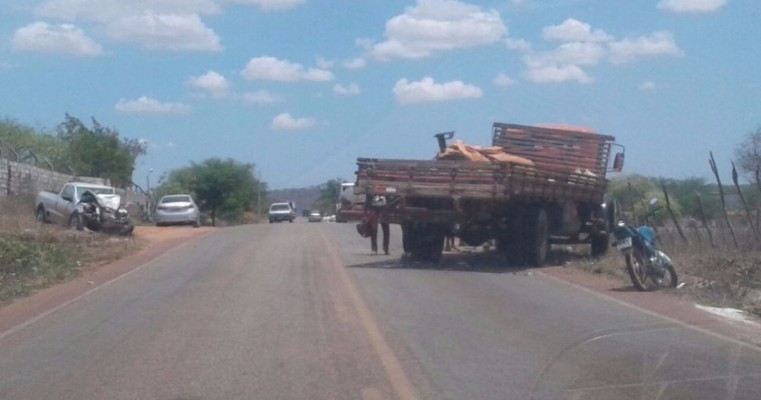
705, 220
715, 170
745, 203
673, 216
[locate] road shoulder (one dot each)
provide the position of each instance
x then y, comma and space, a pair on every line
156, 241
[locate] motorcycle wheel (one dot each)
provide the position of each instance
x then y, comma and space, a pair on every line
635, 266
669, 281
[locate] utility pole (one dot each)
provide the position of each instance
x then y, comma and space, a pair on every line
258, 194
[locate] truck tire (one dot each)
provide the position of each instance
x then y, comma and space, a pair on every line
537, 236
408, 238
599, 243
423, 242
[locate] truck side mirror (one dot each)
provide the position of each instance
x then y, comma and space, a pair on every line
618, 162
67, 198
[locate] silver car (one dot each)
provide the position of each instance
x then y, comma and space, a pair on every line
177, 209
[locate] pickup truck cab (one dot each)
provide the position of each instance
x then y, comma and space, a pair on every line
61, 208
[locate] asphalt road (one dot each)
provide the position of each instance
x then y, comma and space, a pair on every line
304, 311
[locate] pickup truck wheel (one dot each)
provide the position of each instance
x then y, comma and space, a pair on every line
39, 216
75, 222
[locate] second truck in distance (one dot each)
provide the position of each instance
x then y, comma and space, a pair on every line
534, 186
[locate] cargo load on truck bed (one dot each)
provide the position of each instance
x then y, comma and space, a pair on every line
551, 173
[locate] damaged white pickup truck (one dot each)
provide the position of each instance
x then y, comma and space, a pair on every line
81, 205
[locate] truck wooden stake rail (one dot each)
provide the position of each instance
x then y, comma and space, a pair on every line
557, 197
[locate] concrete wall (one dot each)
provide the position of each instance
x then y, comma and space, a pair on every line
19, 179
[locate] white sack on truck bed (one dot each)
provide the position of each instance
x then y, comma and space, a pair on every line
494, 154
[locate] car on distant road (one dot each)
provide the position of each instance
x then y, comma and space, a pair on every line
314, 216
177, 209
281, 212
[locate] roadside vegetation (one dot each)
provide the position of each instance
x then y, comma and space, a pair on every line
34, 256
712, 231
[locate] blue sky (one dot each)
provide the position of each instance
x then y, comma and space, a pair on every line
301, 88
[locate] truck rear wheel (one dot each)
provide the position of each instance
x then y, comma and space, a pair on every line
599, 243
537, 236
424, 242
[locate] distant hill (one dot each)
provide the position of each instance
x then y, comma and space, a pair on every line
303, 197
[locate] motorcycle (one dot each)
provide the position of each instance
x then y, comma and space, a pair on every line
102, 212
648, 267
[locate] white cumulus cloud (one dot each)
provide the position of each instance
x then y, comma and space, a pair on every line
629, 49
212, 82
349, 90
557, 74
691, 6
147, 105
111, 10
502, 80
42, 37
572, 30
262, 97
518, 44
438, 25
355, 63
426, 90
285, 121
272, 69
581, 45
270, 5
165, 31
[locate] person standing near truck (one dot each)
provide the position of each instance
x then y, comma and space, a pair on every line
374, 216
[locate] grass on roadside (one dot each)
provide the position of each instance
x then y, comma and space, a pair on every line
720, 277
34, 256
33, 260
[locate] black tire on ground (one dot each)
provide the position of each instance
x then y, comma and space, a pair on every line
39, 216
196, 224
424, 242
75, 222
599, 244
536, 239
635, 266
408, 238
434, 243
510, 246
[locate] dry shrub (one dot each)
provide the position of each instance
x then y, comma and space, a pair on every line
250, 218
16, 214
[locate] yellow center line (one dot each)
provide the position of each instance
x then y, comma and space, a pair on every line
391, 365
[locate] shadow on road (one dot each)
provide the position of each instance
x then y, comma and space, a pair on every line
464, 261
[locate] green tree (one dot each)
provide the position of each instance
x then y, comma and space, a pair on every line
748, 153
329, 191
221, 187
16, 137
98, 151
